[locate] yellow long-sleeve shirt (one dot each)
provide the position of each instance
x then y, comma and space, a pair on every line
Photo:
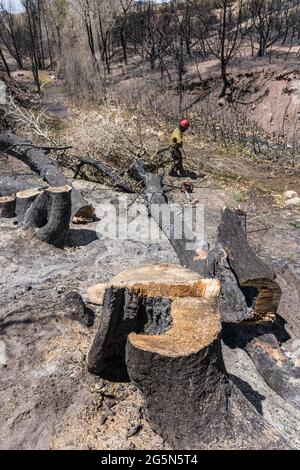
176, 138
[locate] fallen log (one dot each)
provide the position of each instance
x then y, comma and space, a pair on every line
48, 169
255, 279
24, 200
12, 184
49, 215
191, 249
7, 207
164, 323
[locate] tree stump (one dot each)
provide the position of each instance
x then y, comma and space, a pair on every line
49, 215
24, 201
164, 322
7, 207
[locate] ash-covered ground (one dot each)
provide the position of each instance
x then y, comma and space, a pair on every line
48, 399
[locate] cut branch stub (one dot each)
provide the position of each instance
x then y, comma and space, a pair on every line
167, 320
24, 202
7, 207
49, 215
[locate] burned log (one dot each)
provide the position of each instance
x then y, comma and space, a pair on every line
49, 215
7, 207
255, 279
12, 184
24, 200
191, 249
106, 170
39, 162
163, 322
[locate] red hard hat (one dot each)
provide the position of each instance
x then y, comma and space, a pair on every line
185, 123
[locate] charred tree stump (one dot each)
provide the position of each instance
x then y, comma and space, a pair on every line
24, 200
39, 162
49, 215
164, 322
191, 250
7, 207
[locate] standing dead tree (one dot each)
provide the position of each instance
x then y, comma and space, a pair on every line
226, 37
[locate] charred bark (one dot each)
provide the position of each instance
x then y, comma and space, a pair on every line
24, 200
106, 170
256, 280
12, 185
7, 207
48, 169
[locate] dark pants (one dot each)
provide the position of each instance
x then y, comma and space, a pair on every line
177, 165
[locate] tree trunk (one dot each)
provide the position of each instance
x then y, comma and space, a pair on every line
163, 322
191, 249
7, 207
249, 289
49, 215
48, 170
4, 63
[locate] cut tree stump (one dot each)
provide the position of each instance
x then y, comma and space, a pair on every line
24, 200
49, 215
38, 160
164, 322
7, 207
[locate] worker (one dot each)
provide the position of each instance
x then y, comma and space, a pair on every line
176, 143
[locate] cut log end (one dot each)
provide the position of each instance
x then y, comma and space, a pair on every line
59, 189
95, 294
85, 215
195, 325
7, 207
